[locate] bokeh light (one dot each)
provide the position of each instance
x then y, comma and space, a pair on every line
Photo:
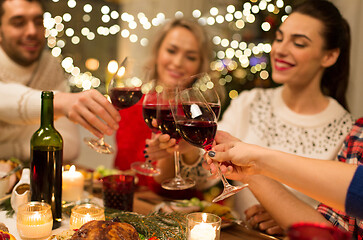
236, 47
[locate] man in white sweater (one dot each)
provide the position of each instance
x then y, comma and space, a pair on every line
26, 69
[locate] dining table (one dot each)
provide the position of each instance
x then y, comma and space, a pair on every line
145, 202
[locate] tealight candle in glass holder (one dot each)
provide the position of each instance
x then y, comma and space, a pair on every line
203, 226
84, 213
34, 220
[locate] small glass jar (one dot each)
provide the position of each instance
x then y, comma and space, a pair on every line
203, 226
34, 220
84, 213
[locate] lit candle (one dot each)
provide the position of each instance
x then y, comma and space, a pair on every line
72, 185
203, 226
203, 231
84, 213
34, 220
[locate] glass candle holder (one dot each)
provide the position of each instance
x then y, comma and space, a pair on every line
34, 220
84, 213
204, 226
118, 192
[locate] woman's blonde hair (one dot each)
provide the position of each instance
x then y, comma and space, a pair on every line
204, 46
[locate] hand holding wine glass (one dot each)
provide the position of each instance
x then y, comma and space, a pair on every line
149, 107
124, 91
167, 126
197, 124
99, 145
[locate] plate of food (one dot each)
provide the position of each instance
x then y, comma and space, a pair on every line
227, 215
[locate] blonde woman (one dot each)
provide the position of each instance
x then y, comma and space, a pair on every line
181, 49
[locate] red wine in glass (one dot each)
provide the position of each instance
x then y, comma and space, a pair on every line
166, 123
149, 114
123, 98
198, 132
198, 125
189, 113
216, 108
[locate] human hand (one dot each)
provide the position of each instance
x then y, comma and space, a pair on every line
90, 109
224, 137
236, 159
260, 219
160, 146
229, 170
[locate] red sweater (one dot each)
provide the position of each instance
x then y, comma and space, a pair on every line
131, 136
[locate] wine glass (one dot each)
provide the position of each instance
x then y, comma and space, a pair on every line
126, 87
125, 90
210, 94
212, 98
149, 107
99, 145
197, 124
167, 125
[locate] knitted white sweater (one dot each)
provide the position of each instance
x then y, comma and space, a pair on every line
261, 117
20, 101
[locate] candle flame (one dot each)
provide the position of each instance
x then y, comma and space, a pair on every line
204, 217
87, 218
36, 217
72, 168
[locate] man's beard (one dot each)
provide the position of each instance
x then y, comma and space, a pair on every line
16, 53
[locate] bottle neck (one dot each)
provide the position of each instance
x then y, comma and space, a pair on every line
47, 116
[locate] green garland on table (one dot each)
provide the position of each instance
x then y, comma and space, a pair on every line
168, 226
6, 206
160, 225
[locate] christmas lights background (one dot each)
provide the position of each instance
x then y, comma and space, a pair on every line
89, 37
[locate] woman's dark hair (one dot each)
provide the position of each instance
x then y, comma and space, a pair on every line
336, 34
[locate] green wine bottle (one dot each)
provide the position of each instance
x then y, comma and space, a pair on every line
46, 161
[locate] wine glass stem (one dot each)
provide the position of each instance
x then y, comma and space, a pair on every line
223, 178
177, 164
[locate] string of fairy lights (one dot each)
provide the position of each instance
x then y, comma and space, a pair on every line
230, 55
